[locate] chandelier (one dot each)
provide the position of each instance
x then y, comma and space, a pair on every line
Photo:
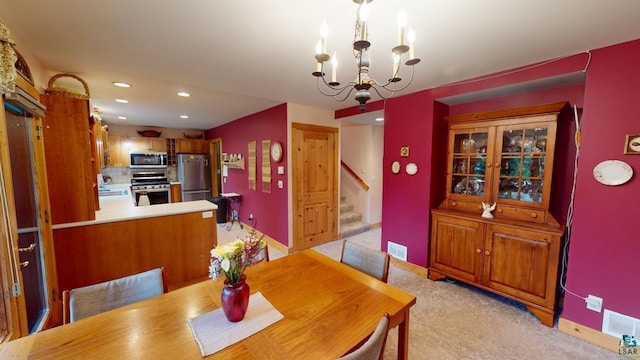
363, 83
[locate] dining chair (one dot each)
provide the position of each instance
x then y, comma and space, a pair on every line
90, 300
262, 255
372, 262
373, 348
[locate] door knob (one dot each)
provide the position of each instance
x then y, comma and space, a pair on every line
24, 263
28, 249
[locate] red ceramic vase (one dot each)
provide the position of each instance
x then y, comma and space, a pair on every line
235, 299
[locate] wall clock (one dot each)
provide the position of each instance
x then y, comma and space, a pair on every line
276, 151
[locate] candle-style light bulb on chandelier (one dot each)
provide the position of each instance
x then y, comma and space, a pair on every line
363, 83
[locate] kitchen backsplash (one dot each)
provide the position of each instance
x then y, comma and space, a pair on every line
122, 175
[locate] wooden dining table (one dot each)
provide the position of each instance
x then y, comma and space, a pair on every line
329, 309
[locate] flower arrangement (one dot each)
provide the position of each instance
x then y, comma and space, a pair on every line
233, 258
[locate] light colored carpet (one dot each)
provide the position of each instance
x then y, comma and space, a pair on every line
454, 321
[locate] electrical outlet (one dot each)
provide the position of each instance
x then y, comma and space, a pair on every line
594, 303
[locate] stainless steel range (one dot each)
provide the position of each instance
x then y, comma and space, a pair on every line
150, 188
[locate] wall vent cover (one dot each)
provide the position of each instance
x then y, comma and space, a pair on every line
397, 251
616, 324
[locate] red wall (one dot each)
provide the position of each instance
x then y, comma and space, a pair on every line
605, 245
269, 209
603, 249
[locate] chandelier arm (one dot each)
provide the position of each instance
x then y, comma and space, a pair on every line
345, 97
382, 96
334, 94
403, 87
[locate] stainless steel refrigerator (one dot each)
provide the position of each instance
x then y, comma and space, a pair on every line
194, 174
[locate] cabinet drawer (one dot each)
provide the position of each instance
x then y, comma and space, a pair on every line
503, 211
466, 206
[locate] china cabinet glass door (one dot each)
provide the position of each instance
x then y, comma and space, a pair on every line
469, 171
522, 152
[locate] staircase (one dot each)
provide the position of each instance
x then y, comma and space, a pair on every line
350, 221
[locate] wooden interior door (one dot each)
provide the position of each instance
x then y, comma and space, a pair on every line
315, 185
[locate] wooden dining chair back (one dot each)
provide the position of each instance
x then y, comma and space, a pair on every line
373, 348
372, 262
90, 300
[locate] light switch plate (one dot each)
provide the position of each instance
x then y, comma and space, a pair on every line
280, 170
280, 184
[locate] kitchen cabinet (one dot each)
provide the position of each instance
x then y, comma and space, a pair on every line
171, 152
118, 150
68, 151
176, 193
503, 157
192, 146
148, 144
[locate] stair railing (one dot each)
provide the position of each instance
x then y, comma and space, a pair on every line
355, 176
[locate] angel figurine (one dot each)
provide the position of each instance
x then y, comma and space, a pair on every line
487, 208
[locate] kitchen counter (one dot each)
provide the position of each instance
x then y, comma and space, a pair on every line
121, 207
125, 239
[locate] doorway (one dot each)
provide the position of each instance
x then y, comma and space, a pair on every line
30, 239
315, 185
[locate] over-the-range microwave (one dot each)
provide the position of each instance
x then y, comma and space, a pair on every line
147, 159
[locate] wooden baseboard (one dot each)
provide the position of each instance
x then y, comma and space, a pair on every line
589, 335
404, 265
375, 225
273, 243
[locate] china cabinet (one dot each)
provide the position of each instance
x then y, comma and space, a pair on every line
503, 157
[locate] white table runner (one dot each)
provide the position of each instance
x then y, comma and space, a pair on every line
213, 332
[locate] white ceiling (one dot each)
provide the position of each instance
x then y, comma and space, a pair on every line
239, 57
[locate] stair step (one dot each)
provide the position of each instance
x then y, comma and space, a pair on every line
353, 228
349, 217
344, 207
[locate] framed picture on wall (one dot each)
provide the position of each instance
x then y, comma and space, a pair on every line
632, 144
404, 151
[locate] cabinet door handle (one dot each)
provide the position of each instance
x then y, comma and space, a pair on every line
497, 165
453, 203
478, 251
487, 252
499, 211
534, 215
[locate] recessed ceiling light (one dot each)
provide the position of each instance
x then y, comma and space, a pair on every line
184, 116
380, 119
123, 101
184, 94
122, 117
121, 84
